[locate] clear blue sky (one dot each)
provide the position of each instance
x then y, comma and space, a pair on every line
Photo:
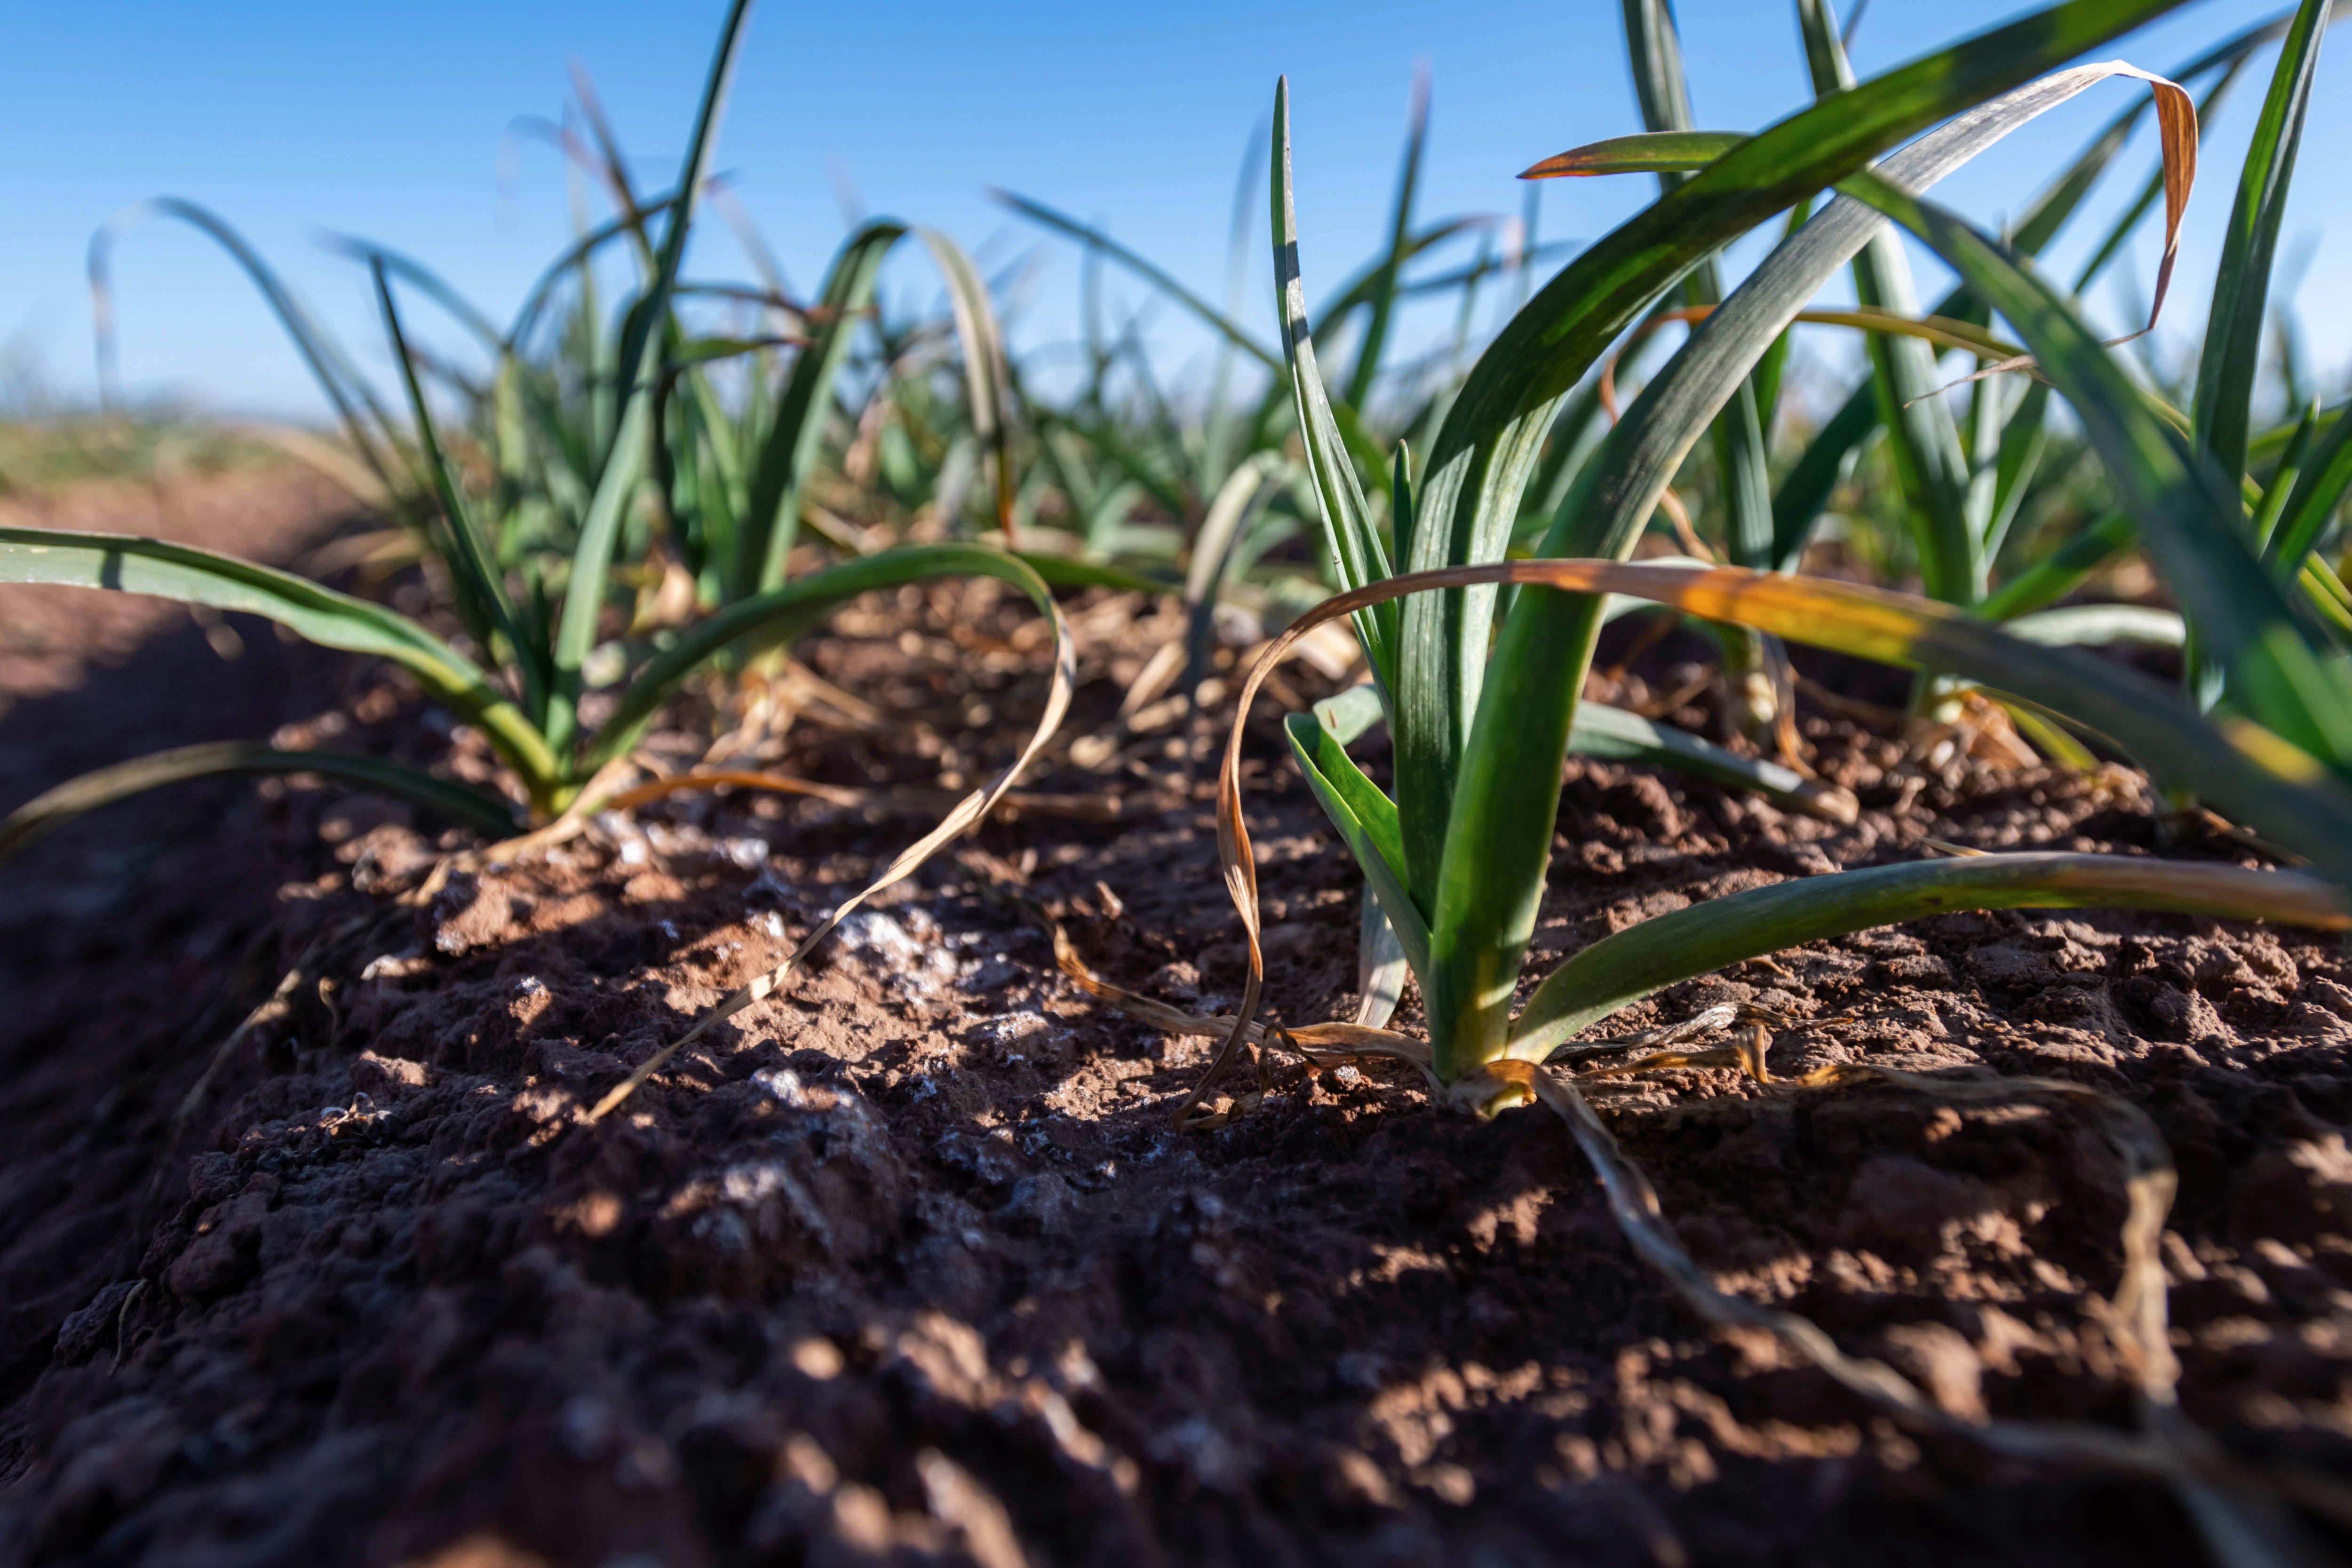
295, 119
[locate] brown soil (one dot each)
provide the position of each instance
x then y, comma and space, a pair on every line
908, 1267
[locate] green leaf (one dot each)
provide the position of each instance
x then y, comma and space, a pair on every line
1340, 789
1493, 433
788, 453
2061, 571
1501, 796
1575, 434
1820, 468
1620, 970
2024, 438
1218, 550
1065, 572
1737, 433
1601, 731
477, 578
575, 259
774, 618
1353, 541
2189, 517
2319, 488
102, 786
1140, 465
1381, 966
133, 565
1247, 490
1775, 362
611, 165
429, 282
1930, 467
2283, 475
690, 353
1647, 152
2233, 328
2329, 600
1348, 713
2051, 738
1318, 746
984, 376
616, 485
1653, 51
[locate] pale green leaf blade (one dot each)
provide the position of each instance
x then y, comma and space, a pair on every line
477, 577
616, 485
2319, 491
2222, 411
128, 564
1620, 970
1356, 552
1805, 490
1065, 572
1497, 795
1600, 731
1645, 153
1381, 966
52, 808
1309, 743
2189, 517
986, 383
777, 617
796, 433
2064, 570
2101, 625
1493, 432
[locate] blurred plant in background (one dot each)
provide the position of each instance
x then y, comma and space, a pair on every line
602, 523
637, 451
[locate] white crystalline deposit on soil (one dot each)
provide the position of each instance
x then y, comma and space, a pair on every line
913, 960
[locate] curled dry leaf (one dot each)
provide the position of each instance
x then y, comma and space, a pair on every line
2241, 760
966, 815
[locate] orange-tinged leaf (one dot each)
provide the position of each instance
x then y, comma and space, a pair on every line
1648, 152
2243, 767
